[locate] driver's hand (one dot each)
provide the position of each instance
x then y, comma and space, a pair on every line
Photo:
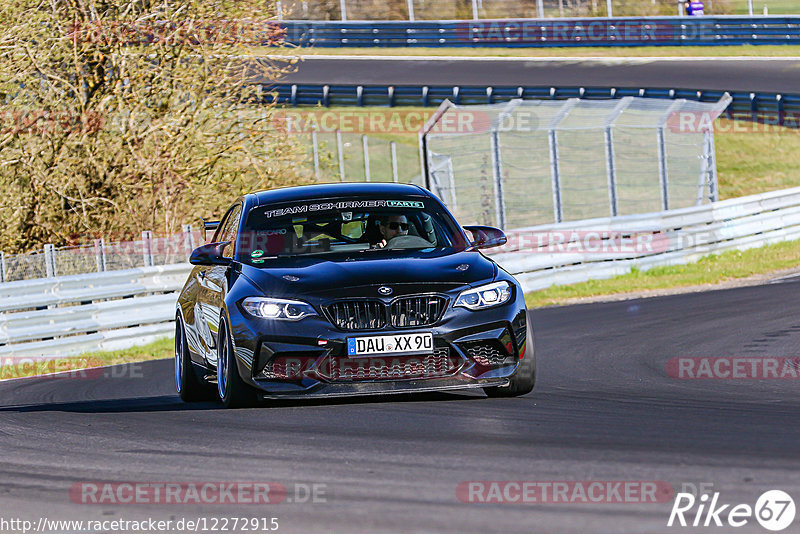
381, 244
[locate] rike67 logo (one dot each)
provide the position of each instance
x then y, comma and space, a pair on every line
774, 510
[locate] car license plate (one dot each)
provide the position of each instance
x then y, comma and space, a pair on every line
420, 343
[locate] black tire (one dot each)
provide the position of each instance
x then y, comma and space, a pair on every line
524, 378
232, 390
191, 387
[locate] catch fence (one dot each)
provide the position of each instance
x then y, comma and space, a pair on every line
99, 256
524, 163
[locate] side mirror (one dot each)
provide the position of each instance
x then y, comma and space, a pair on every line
210, 254
486, 237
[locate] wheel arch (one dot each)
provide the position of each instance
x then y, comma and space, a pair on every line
244, 368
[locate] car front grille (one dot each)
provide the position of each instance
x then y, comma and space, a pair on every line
358, 314
436, 365
418, 310
404, 312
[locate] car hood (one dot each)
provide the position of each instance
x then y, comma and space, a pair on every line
405, 271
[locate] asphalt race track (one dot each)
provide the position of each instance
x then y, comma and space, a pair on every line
723, 74
604, 409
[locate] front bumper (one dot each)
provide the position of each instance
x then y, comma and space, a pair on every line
308, 358
323, 390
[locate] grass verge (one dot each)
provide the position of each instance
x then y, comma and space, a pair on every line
19, 367
755, 158
710, 270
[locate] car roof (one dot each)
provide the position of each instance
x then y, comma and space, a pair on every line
307, 192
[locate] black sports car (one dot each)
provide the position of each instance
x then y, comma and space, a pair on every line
348, 289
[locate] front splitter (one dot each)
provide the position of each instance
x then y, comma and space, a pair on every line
324, 390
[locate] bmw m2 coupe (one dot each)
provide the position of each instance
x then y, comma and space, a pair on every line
348, 289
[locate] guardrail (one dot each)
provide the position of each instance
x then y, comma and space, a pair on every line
568, 253
624, 31
53, 317
59, 316
775, 108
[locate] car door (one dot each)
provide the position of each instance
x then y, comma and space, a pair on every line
213, 281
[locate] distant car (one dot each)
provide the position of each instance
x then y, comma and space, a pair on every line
348, 289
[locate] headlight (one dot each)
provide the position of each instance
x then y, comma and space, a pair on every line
484, 296
285, 310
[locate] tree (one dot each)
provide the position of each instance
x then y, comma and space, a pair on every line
123, 115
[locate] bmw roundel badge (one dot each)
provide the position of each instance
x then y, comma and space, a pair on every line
385, 290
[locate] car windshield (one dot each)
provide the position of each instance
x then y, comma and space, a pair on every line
347, 226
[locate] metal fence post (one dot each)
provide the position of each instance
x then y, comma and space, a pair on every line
393, 148
663, 173
713, 183
497, 175
474, 9
188, 239
452, 184
100, 254
343, 7
147, 248
611, 168
705, 180
365, 144
423, 160
610, 8
279, 9
103, 253
611, 171
340, 150
540, 9
315, 151
411, 10
2, 266
50, 260
555, 173
497, 161
662, 168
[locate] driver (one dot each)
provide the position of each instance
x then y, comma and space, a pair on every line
392, 226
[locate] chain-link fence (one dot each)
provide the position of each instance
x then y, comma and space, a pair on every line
537, 161
507, 9
352, 157
531, 162
100, 256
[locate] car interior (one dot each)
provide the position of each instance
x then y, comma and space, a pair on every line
344, 231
